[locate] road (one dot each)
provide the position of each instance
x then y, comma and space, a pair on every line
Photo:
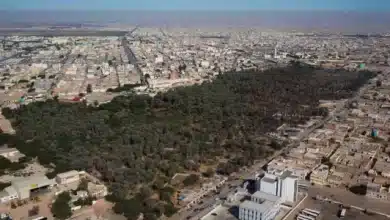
131, 57
130, 33
67, 59
294, 211
209, 201
130, 54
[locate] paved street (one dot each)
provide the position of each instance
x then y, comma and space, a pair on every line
130, 54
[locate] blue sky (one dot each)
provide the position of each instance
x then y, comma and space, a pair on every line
359, 5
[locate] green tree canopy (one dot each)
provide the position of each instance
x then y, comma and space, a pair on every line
60, 208
191, 179
135, 139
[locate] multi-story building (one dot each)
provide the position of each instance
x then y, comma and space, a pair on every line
289, 189
320, 175
262, 206
269, 184
280, 183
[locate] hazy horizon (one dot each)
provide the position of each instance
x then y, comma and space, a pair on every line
363, 5
360, 21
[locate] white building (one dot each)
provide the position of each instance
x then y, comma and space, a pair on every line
262, 206
280, 183
269, 184
289, 189
68, 177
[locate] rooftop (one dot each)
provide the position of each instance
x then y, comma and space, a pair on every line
266, 196
10, 190
263, 207
268, 180
3, 194
68, 174
285, 174
32, 182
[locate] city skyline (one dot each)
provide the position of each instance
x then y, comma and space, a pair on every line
224, 5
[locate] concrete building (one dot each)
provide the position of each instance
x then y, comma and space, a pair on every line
269, 184
320, 175
262, 206
376, 191
280, 183
68, 177
289, 189
97, 190
26, 186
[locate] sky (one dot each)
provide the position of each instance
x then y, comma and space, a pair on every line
344, 5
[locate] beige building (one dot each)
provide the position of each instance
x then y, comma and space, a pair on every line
97, 190
376, 191
68, 177
320, 175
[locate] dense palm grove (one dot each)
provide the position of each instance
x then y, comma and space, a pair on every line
136, 140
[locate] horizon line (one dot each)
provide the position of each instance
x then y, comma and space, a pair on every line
196, 10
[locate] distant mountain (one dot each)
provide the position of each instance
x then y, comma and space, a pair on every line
319, 20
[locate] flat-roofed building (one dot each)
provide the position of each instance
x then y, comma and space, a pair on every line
289, 189
320, 175
280, 183
269, 184
376, 191
97, 190
68, 177
26, 186
263, 206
